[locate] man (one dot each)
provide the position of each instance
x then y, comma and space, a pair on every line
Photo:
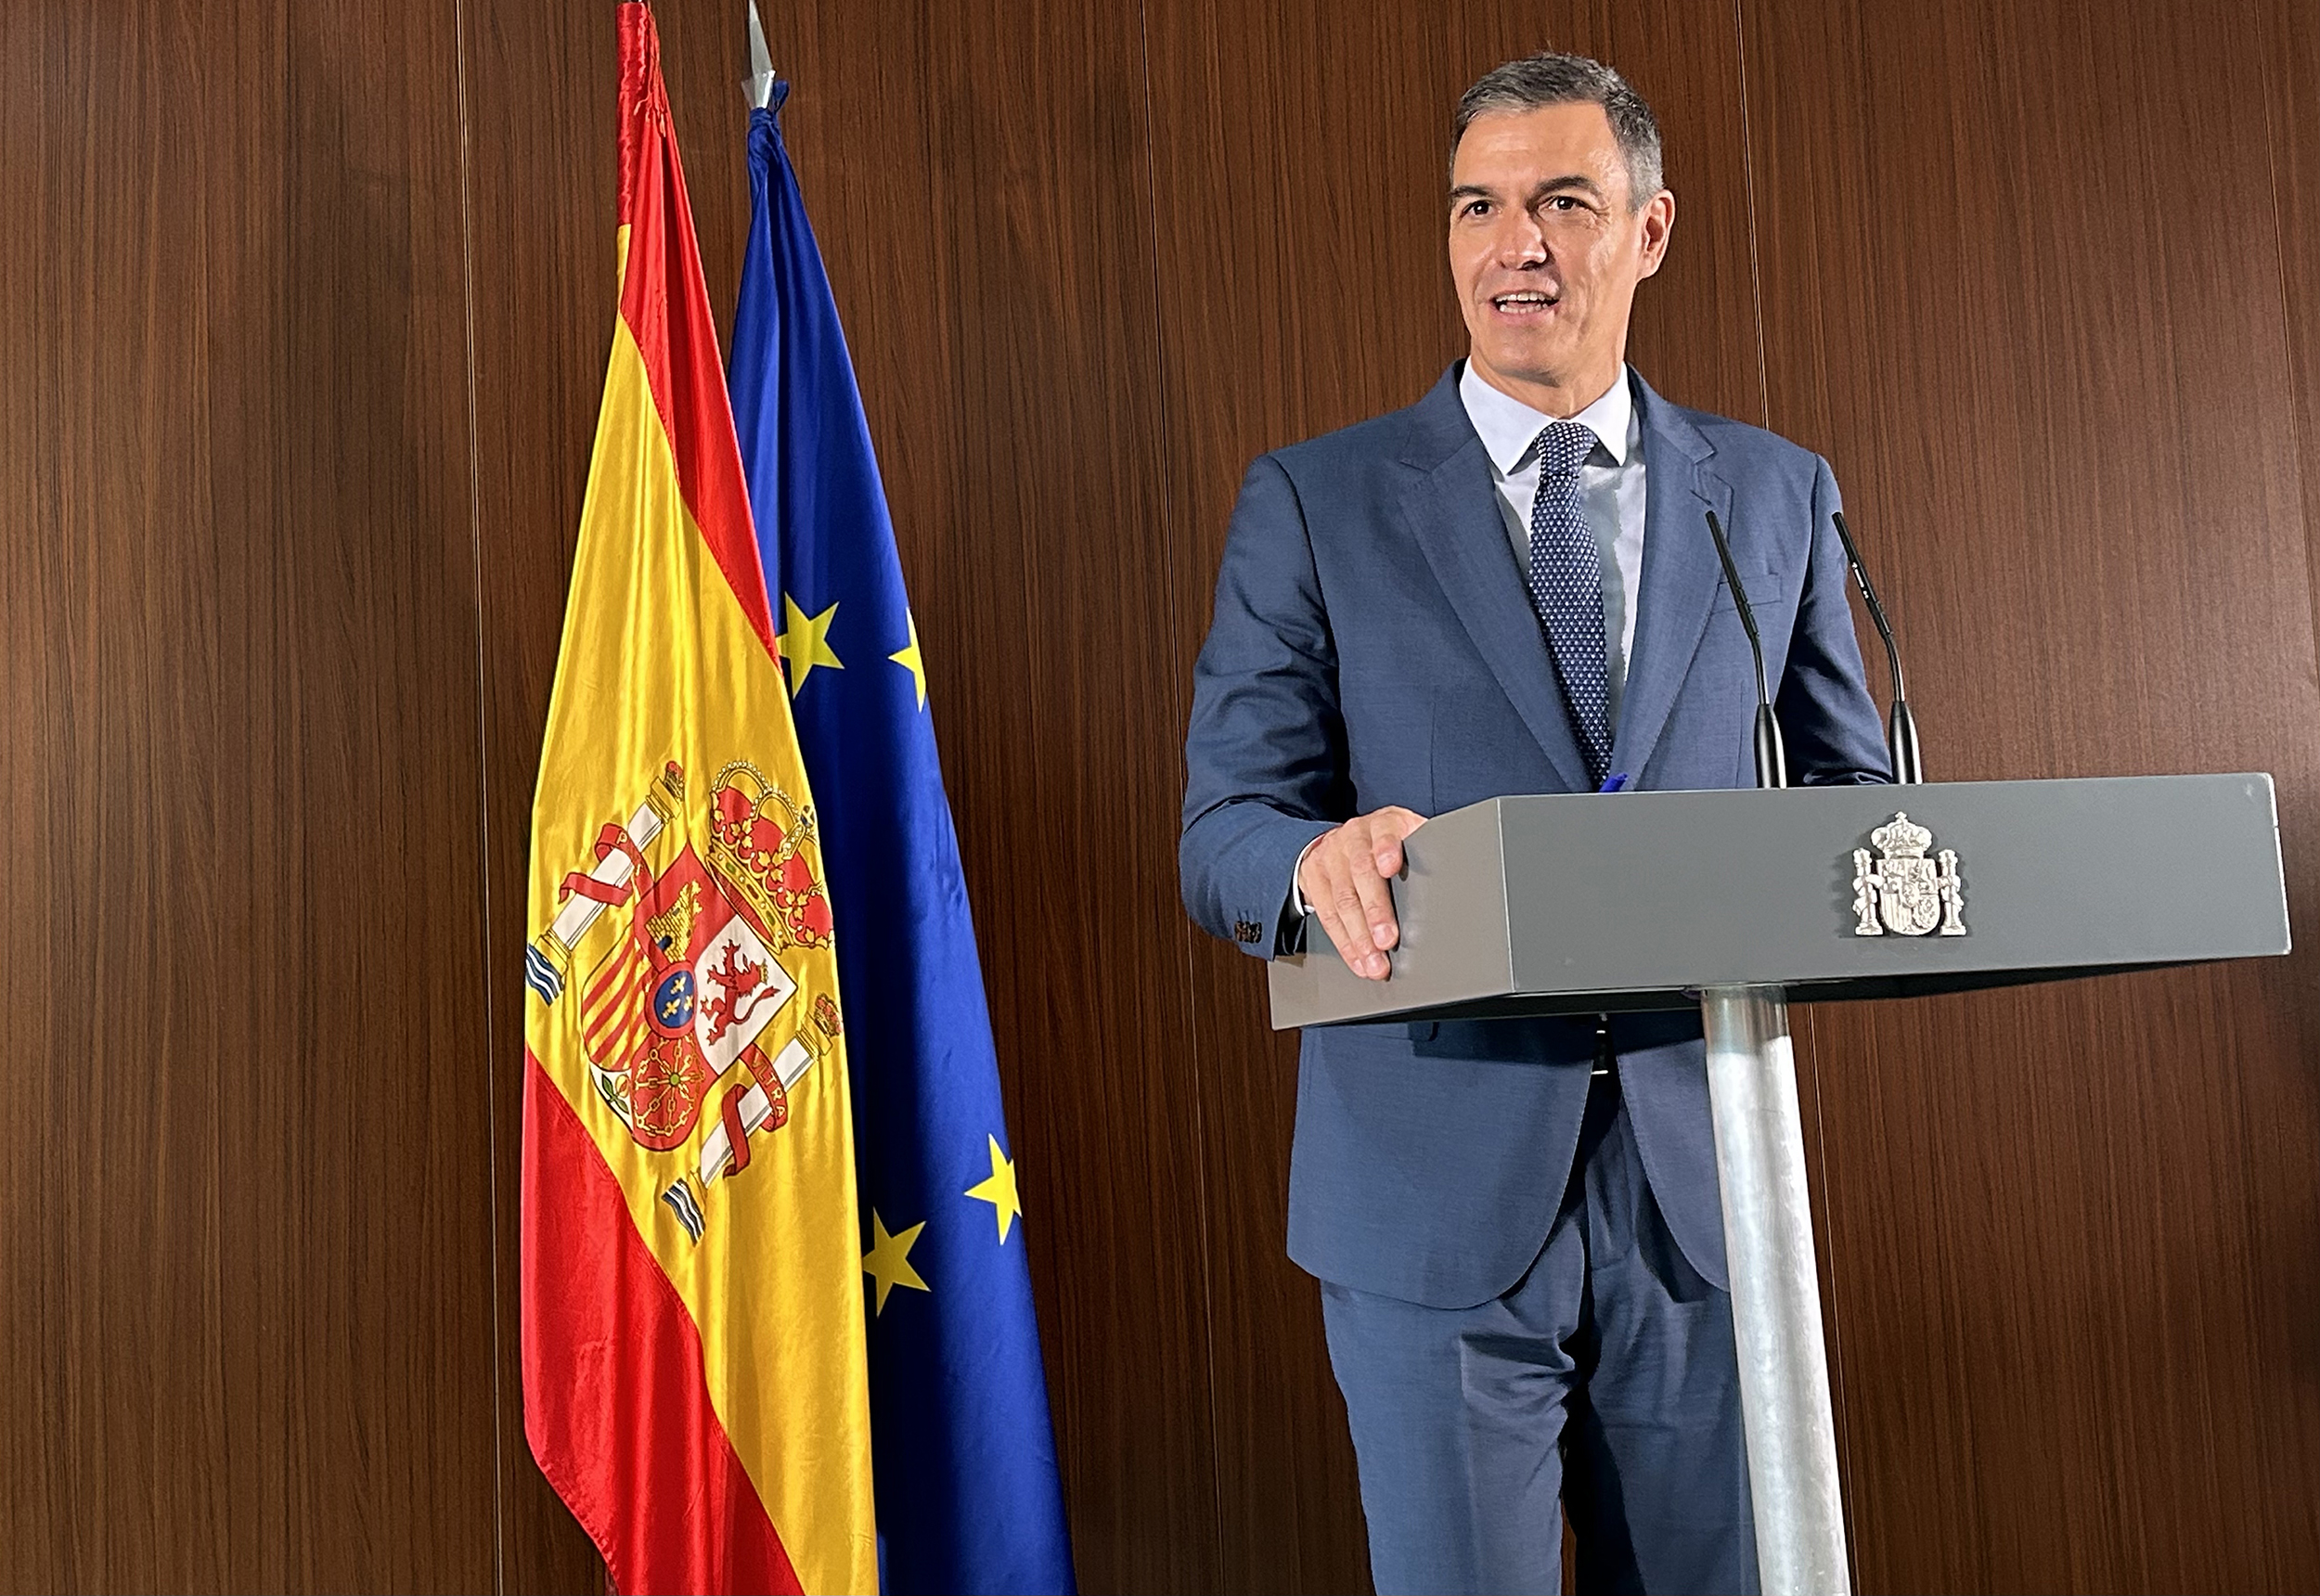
1510, 588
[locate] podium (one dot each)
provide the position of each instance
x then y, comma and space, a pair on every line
1742, 902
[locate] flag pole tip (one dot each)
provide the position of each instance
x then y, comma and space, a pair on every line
759, 84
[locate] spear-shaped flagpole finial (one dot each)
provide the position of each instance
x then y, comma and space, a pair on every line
759, 84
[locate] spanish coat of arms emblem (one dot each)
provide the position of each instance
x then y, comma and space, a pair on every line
687, 992
1903, 890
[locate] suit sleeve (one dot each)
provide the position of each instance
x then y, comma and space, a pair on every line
1263, 755
1827, 718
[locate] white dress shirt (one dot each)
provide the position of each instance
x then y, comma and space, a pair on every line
1611, 497
1611, 494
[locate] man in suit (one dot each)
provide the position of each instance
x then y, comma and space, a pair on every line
1510, 588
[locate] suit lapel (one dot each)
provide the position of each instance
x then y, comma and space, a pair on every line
1680, 573
1451, 508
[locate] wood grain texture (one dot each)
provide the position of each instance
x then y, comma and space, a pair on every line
1299, 157
247, 1263
537, 86
2022, 284
2291, 55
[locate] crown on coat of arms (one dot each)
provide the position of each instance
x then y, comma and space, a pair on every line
757, 841
1901, 838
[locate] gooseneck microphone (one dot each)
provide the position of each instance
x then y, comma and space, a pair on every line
1772, 760
1901, 727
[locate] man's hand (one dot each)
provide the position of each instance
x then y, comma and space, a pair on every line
1343, 877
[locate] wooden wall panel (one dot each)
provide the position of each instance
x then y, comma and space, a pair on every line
1299, 158
247, 1262
2022, 283
2291, 54
536, 89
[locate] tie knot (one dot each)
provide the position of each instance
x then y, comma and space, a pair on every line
1562, 447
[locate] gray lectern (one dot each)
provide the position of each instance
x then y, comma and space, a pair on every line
1743, 901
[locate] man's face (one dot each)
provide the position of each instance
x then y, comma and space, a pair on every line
1546, 248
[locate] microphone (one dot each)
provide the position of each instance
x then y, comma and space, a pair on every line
1772, 760
1901, 727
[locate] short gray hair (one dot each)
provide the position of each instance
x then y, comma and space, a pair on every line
1545, 79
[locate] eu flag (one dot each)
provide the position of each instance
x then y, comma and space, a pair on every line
968, 1497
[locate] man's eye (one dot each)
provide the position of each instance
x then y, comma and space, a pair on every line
1476, 207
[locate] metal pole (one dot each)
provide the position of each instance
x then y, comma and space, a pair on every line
1775, 1294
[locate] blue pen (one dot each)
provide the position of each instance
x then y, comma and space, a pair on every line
1612, 784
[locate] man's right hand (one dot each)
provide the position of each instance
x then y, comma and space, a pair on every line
1342, 878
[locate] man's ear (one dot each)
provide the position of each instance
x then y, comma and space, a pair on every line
1659, 224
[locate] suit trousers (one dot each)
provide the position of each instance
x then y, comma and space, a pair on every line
1605, 1381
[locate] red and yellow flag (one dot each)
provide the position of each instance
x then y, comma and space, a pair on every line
693, 1367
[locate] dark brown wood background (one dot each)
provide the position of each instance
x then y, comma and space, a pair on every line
306, 310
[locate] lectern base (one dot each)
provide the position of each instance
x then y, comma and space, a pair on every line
1775, 1293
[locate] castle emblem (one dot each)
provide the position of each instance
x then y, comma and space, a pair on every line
1903, 890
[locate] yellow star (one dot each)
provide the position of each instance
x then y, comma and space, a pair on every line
806, 642
1000, 1191
888, 1261
910, 661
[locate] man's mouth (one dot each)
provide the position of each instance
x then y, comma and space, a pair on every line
1527, 302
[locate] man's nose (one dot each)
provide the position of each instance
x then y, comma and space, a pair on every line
1521, 241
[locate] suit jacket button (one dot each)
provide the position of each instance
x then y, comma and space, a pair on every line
1246, 930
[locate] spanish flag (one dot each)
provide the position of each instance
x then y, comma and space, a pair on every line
693, 1367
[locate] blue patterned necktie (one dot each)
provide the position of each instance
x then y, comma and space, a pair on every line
1565, 584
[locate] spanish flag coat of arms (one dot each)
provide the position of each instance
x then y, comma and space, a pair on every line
694, 1353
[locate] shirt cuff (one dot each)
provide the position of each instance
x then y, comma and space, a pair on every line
1297, 904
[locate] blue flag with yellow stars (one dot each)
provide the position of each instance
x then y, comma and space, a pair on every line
963, 1454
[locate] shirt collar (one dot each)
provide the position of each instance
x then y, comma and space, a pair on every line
1508, 427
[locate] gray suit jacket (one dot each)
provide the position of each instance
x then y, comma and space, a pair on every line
1373, 645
